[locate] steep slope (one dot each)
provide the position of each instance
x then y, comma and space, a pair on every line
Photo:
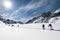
56, 14
55, 17
58, 10
46, 17
41, 19
55, 20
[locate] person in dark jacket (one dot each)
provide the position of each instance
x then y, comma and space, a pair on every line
50, 25
43, 26
12, 25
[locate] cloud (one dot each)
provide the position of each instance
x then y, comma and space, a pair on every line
28, 11
24, 9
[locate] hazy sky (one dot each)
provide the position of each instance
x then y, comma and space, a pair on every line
23, 10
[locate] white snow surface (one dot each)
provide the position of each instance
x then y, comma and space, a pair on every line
29, 32
58, 10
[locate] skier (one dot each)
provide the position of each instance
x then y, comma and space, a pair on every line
43, 26
12, 25
17, 25
9, 25
50, 27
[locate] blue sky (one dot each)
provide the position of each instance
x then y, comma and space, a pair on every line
24, 10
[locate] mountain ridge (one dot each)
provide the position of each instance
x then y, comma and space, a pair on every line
45, 17
8, 21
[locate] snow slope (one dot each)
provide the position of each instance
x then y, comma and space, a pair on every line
56, 17
28, 32
58, 10
55, 20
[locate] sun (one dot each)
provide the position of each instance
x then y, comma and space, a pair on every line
7, 4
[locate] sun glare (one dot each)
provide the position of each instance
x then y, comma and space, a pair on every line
7, 4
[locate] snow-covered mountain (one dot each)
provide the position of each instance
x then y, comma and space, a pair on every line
8, 21
56, 13
56, 17
55, 20
46, 17
31, 31
41, 19
58, 10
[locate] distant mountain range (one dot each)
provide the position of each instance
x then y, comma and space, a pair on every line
45, 17
8, 21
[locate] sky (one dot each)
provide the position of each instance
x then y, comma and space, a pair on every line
24, 10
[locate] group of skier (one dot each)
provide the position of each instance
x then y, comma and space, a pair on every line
43, 26
50, 25
13, 25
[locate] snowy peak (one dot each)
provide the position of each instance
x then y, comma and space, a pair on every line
47, 17
56, 13
8, 21
55, 17
58, 10
41, 19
